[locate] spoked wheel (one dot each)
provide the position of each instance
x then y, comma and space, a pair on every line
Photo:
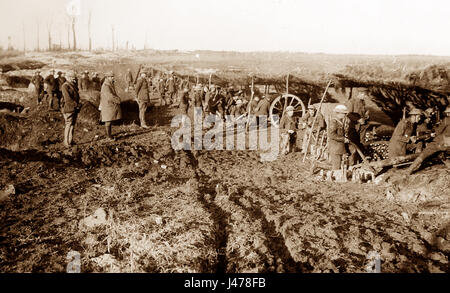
280, 104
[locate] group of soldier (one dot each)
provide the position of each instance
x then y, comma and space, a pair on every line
421, 132
63, 93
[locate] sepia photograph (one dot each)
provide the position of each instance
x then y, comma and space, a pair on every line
224, 137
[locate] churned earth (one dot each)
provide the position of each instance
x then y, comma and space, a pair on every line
137, 205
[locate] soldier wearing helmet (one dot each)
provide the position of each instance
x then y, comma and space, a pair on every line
337, 137
404, 134
440, 143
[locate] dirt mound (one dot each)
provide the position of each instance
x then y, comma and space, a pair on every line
10, 126
20, 64
18, 81
89, 113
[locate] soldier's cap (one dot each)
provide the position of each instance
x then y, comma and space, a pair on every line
59, 72
415, 111
341, 109
447, 110
86, 71
311, 107
239, 92
256, 98
186, 89
289, 108
239, 102
109, 74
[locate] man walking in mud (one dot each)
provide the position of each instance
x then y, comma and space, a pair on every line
38, 82
70, 106
142, 97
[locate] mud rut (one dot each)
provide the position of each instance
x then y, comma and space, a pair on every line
265, 218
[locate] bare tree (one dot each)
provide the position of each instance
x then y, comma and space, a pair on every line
23, 30
37, 25
68, 36
113, 44
89, 30
72, 13
49, 32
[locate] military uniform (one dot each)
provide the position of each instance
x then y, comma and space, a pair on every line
84, 82
170, 94
70, 104
337, 143
441, 143
288, 126
52, 90
38, 82
129, 79
400, 138
162, 92
352, 133
96, 83
143, 98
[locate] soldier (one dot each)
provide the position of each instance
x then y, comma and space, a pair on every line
337, 137
38, 82
142, 97
287, 127
358, 105
85, 82
162, 91
70, 106
215, 102
170, 93
306, 124
52, 90
109, 104
353, 135
60, 79
96, 83
128, 79
184, 105
403, 134
440, 143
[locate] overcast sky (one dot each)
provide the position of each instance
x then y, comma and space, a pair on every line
328, 26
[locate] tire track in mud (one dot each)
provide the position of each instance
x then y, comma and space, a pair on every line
275, 241
236, 220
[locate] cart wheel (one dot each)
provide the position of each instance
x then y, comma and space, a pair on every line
281, 103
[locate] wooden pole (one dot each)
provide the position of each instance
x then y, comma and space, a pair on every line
210, 76
249, 107
314, 121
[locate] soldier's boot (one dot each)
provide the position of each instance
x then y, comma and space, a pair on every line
415, 165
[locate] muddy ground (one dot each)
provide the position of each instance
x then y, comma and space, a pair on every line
203, 211
136, 205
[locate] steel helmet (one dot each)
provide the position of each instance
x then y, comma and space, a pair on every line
289, 108
447, 110
341, 109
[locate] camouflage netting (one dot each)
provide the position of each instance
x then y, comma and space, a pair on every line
392, 91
